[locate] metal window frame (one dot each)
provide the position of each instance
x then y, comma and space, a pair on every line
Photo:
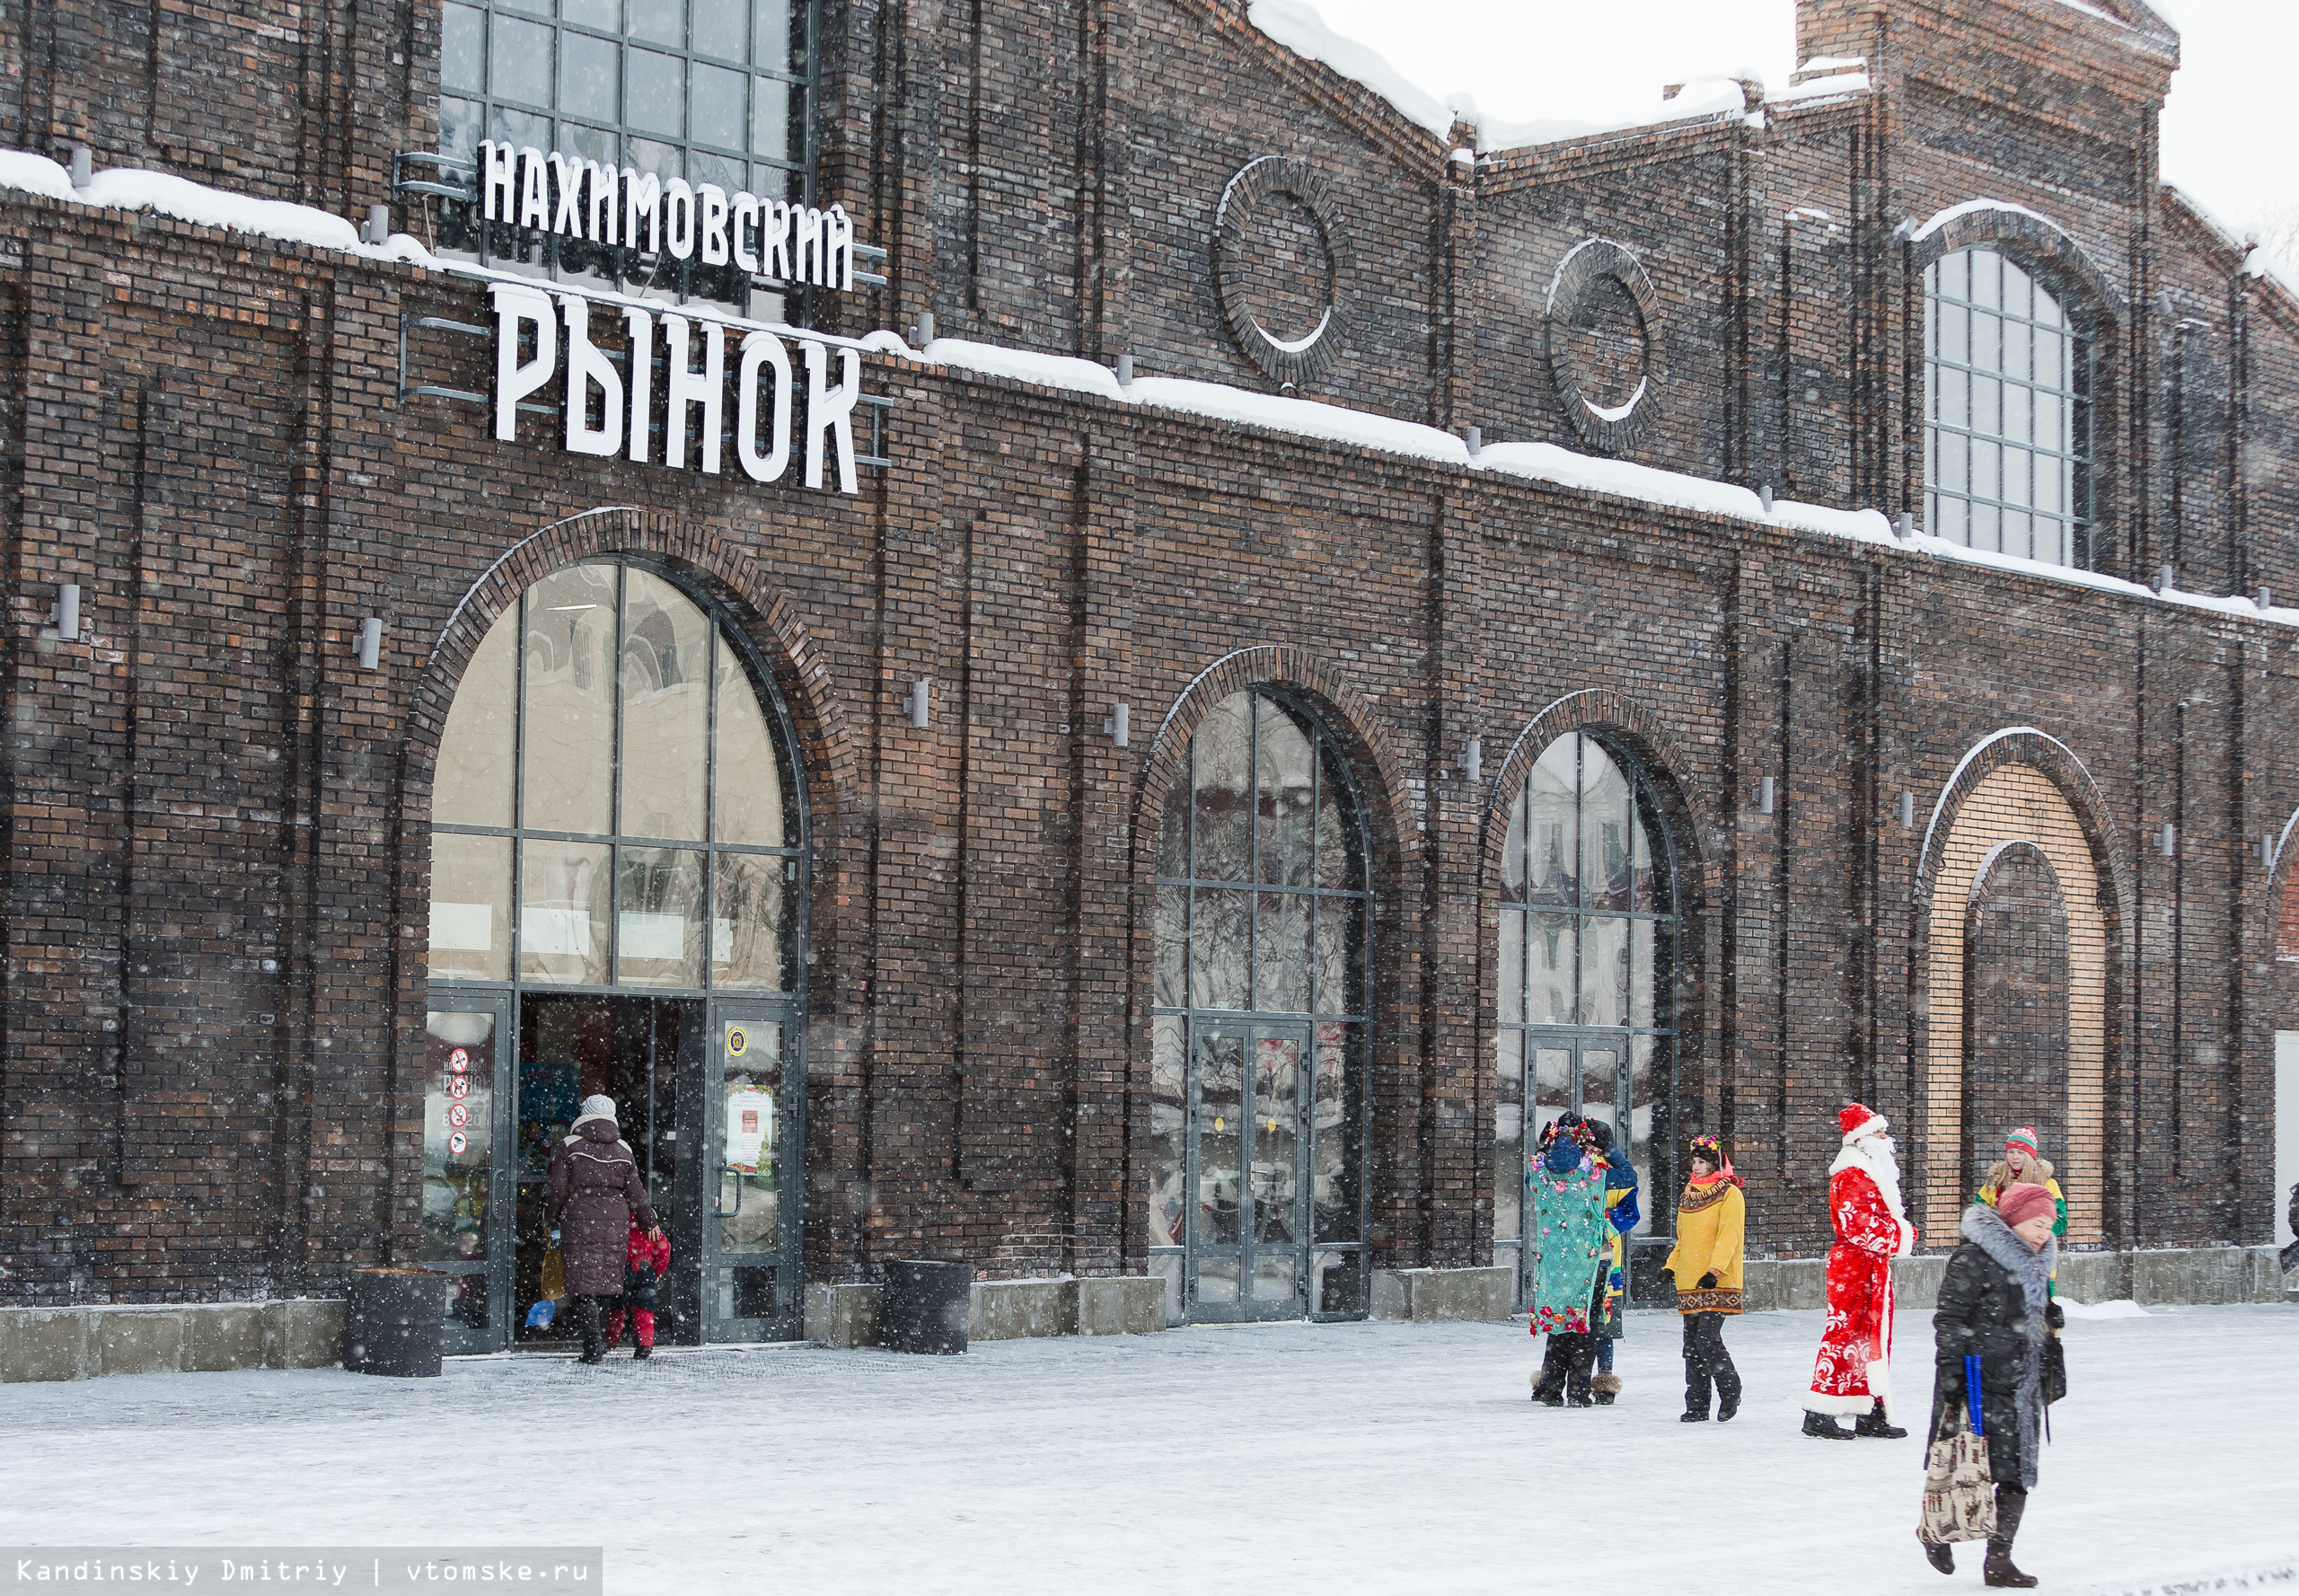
1323, 746
1647, 811
2080, 515
455, 178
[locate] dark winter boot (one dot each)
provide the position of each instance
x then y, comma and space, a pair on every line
1825, 1427
1874, 1423
1728, 1385
1997, 1570
586, 1319
1941, 1557
644, 1353
1548, 1385
1580, 1371
1606, 1386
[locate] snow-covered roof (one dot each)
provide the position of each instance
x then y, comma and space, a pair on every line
130, 188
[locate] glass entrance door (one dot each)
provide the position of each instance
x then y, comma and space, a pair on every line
467, 1185
1578, 1071
748, 1124
1249, 1127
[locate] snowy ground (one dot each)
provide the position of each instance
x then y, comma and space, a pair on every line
1326, 1458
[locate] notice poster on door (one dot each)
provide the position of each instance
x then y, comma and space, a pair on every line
750, 1130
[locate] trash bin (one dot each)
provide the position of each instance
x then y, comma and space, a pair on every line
392, 1322
926, 1305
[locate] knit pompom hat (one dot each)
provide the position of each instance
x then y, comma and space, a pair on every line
2025, 1202
2025, 1136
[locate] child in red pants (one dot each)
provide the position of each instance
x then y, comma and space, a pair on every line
644, 1264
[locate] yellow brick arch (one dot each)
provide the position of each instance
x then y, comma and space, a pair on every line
2015, 803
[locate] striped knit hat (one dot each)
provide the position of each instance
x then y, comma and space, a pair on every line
2025, 1136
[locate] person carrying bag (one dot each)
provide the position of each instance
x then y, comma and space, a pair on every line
1996, 1367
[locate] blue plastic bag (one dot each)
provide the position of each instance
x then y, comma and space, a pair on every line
539, 1316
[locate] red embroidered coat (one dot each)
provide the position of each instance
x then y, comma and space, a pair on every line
1853, 1372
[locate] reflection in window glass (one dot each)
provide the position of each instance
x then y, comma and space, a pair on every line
709, 91
2008, 412
1587, 945
624, 771
1261, 908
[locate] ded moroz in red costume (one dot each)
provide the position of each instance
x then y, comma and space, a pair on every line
1853, 1372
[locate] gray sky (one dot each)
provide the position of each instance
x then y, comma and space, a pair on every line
2231, 128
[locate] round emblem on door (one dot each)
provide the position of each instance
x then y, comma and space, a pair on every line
1280, 253
737, 1041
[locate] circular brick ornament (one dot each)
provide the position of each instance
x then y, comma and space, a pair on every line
1594, 267
1268, 193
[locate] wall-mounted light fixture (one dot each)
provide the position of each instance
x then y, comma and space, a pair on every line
1125, 369
1907, 527
1763, 796
1477, 442
1120, 725
1474, 765
371, 642
1907, 811
1764, 497
923, 333
2267, 850
64, 614
2167, 840
2264, 598
920, 699
377, 229
83, 166
2163, 575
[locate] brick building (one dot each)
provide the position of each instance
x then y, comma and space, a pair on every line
1074, 638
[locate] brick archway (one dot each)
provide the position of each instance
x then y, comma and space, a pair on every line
2018, 793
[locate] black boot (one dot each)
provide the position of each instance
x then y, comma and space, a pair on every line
1874, 1423
1940, 1556
1579, 1374
1824, 1426
644, 1353
1998, 1570
586, 1319
1548, 1385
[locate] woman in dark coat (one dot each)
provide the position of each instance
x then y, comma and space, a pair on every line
592, 1193
1996, 1300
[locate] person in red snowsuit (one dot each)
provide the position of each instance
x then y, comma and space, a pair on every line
1853, 1374
644, 1261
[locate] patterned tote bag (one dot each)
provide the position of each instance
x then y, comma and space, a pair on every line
1958, 1490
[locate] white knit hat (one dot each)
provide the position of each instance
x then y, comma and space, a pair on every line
598, 1106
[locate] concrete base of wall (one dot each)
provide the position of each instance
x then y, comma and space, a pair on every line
2169, 1275
1429, 1296
39, 1344
846, 1316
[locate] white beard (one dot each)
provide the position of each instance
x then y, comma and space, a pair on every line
1874, 1158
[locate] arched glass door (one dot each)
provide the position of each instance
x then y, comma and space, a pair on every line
1255, 1189
1586, 971
618, 905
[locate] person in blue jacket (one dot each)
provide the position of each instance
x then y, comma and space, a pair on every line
1621, 1209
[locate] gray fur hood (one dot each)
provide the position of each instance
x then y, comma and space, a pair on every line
1985, 1229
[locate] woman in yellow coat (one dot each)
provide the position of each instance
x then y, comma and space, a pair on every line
1712, 1219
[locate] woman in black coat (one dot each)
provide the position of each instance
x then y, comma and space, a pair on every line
590, 1196
1996, 1300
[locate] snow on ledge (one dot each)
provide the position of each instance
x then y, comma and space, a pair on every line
1817, 88
133, 189
1973, 207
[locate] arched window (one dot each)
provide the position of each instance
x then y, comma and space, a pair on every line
617, 908
2008, 385
1256, 1188
611, 775
1586, 972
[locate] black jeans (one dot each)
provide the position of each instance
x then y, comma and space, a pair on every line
1706, 1362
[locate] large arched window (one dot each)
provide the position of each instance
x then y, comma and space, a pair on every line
2008, 385
617, 908
1586, 974
611, 781
1255, 1187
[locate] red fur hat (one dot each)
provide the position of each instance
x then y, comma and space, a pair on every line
1858, 1121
